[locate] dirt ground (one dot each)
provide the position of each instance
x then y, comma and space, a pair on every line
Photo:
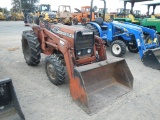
41, 100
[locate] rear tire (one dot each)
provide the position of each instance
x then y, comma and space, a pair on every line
8, 18
84, 21
31, 48
54, 69
158, 37
118, 48
94, 29
133, 49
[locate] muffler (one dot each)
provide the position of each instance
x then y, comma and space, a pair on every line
9, 105
101, 83
151, 58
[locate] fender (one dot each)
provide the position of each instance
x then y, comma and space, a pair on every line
98, 27
112, 30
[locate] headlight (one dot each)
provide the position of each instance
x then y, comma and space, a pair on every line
79, 53
89, 51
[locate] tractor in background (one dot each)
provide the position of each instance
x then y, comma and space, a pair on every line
108, 16
153, 5
119, 35
82, 16
43, 13
2, 14
64, 14
16, 14
152, 23
100, 11
28, 16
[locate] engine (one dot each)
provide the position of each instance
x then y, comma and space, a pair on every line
81, 39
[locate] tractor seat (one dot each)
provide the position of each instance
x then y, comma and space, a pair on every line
100, 21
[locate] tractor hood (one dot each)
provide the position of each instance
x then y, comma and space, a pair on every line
127, 26
68, 32
152, 19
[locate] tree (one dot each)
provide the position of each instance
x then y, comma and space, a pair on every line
25, 4
16, 4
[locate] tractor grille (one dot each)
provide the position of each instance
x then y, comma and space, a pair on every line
84, 41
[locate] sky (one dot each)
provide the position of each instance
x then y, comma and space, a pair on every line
112, 5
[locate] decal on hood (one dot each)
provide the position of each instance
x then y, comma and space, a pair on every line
58, 31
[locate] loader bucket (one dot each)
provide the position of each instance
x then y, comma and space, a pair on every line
102, 83
9, 105
151, 58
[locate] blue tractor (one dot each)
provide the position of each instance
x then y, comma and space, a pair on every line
121, 35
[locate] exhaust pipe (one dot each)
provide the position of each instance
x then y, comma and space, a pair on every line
100, 84
151, 58
9, 105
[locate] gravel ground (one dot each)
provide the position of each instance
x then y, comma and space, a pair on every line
41, 100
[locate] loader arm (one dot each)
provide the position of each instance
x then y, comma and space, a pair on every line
149, 31
77, 89
78, 10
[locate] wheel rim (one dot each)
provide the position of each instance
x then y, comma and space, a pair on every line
116, 49
51, 71
26, 50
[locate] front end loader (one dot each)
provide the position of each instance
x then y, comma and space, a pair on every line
9, 106
95, 82
138, 19
148, 45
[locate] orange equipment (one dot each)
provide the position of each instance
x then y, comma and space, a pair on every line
82, 16
94, 81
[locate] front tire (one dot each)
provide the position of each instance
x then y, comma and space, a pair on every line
94, 29
75, 21
118, 48
31, 48
158, 41
54, 69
